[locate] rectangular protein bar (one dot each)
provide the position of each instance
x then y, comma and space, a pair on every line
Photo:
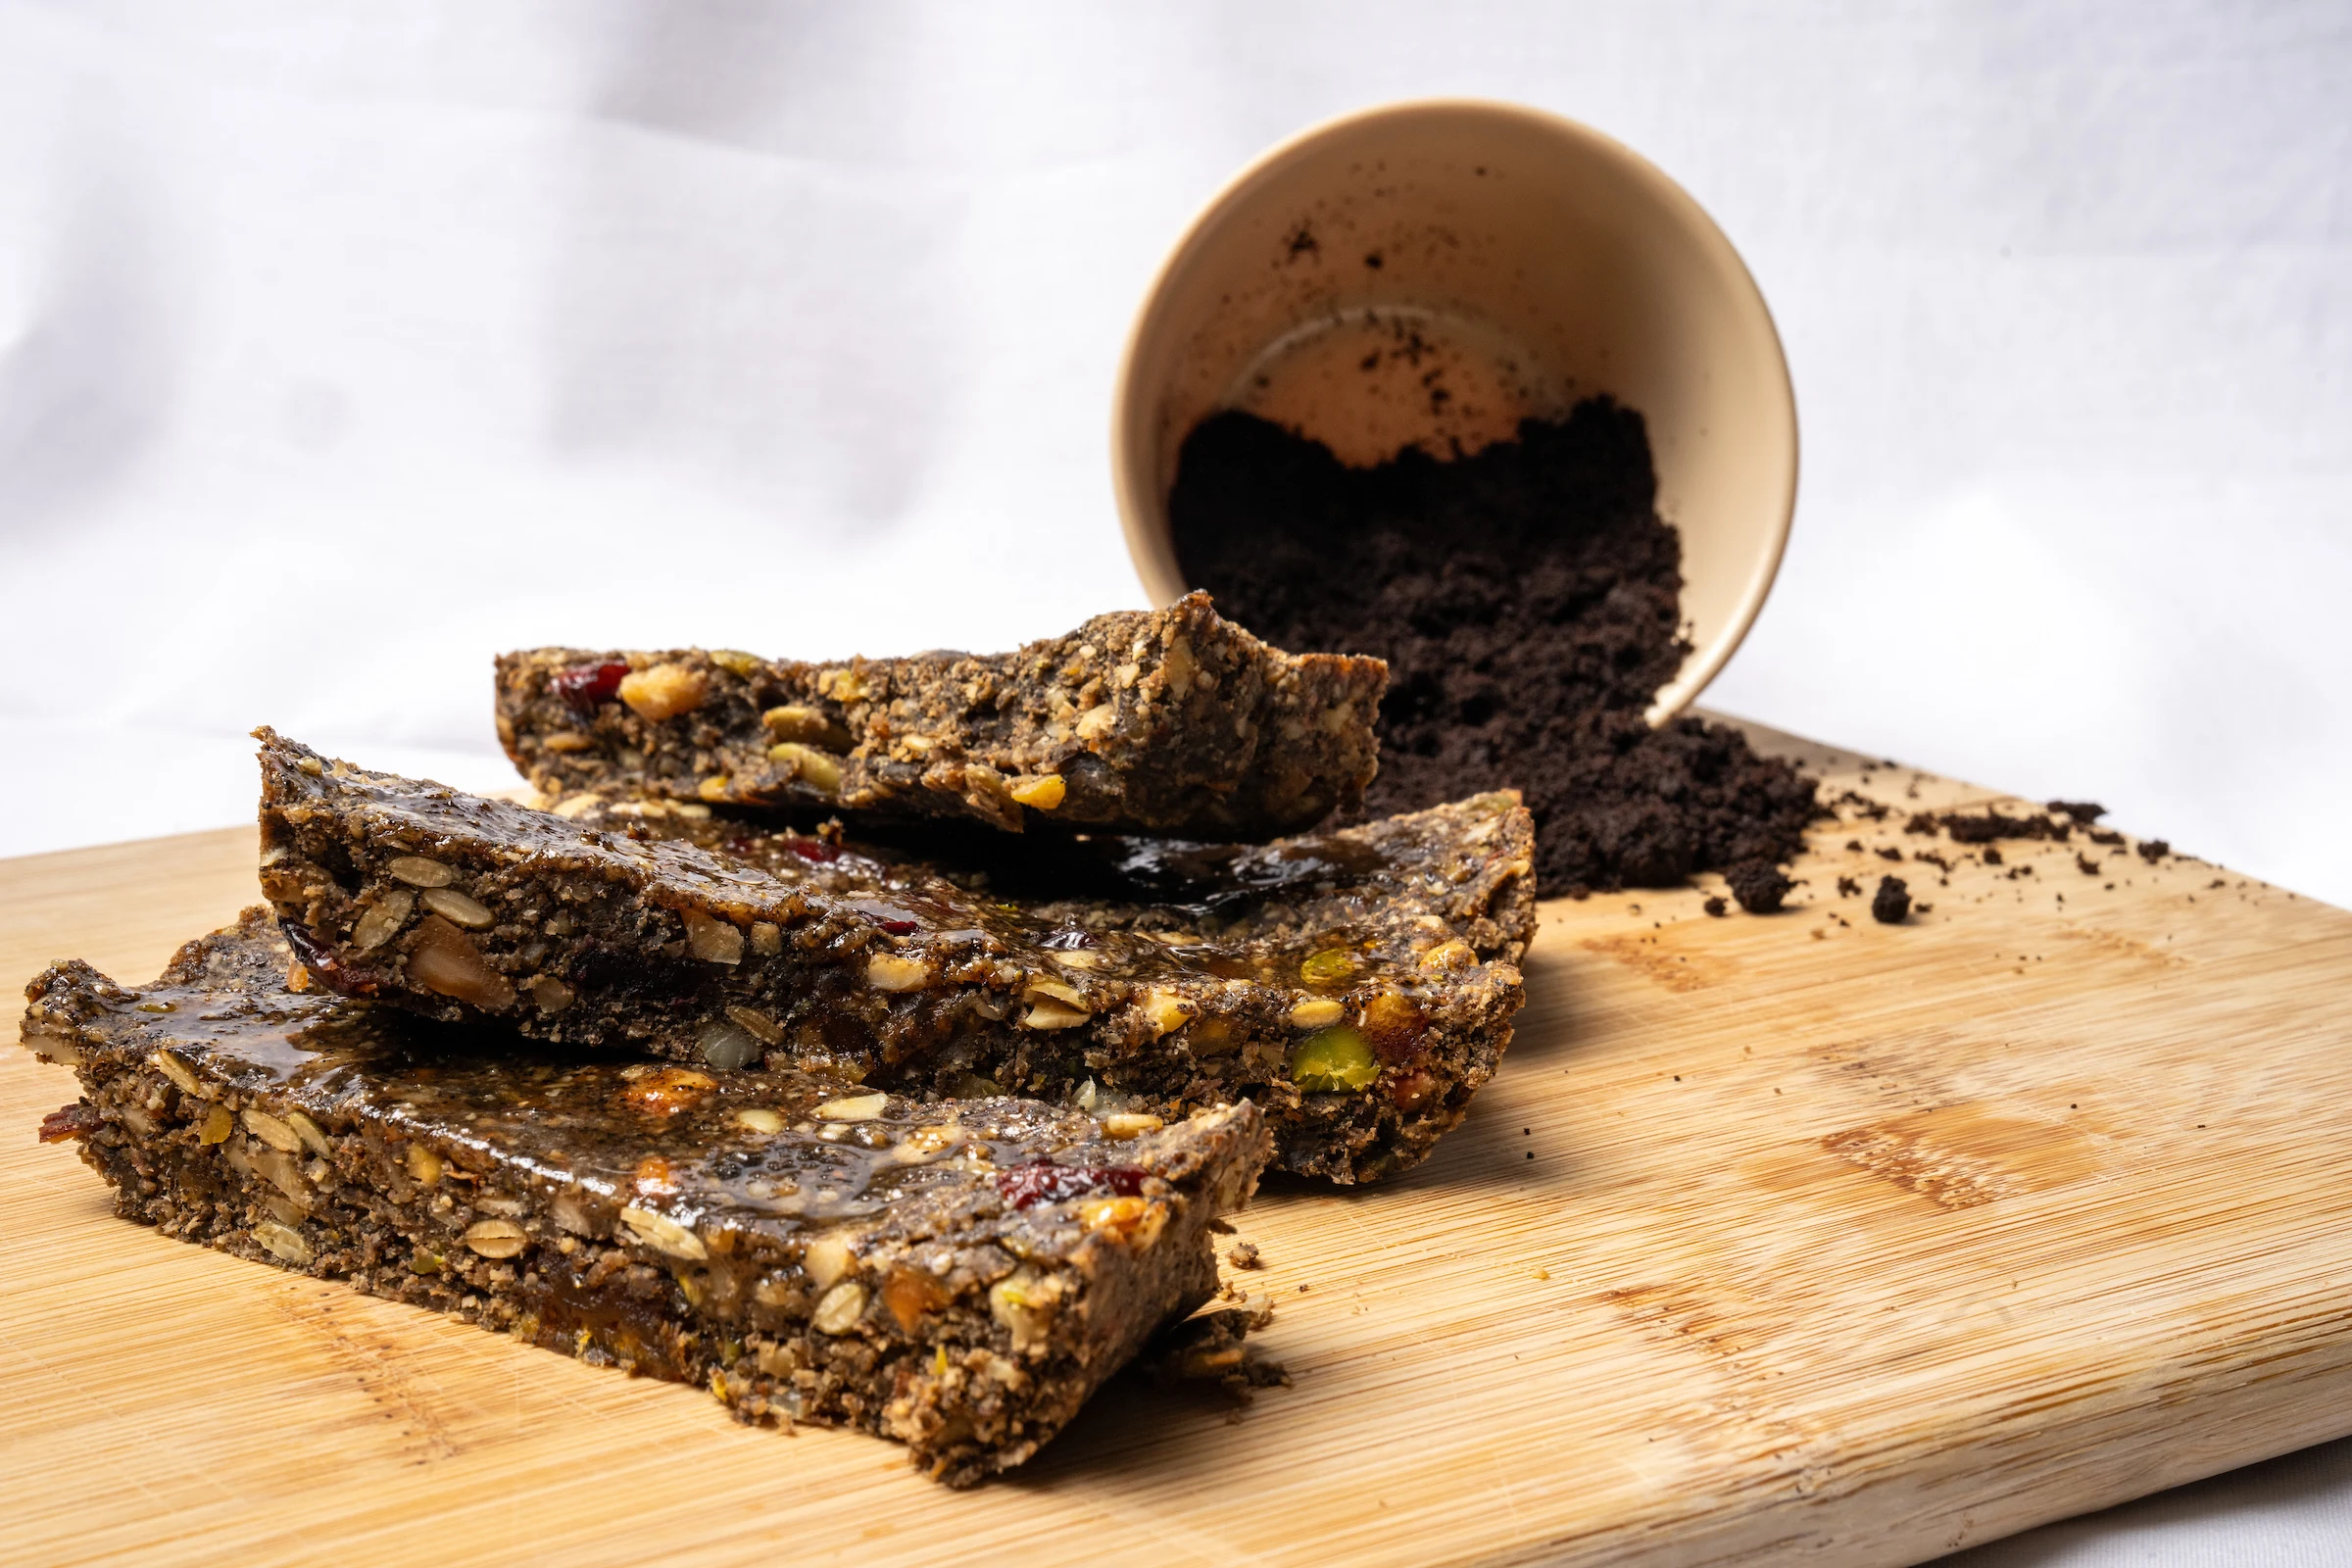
958, 1276
1358, 985
1170, 722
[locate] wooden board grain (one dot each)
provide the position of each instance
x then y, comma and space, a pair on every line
1778, 1237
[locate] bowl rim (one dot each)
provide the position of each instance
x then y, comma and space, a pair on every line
1142, 515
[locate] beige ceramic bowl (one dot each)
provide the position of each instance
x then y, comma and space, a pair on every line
1521, 262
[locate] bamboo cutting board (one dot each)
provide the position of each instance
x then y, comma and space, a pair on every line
1778, 1237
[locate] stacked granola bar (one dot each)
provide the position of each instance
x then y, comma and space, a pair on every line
762, 1056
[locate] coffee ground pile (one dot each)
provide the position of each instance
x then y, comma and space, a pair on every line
1527, 599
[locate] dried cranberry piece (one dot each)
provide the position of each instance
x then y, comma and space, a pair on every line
1041, 1181
889, 917
583, 686
816, 849
77, 1120
320, 958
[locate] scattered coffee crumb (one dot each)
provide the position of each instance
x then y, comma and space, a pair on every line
2082, 812
1527, 599
1887, 852
2086, 865
2153, 849
1891, 903
2102, 836
1847, 887
1854, 845
1759, 886
1931, 857
1987, 826
1990, 856
1244, 1254
1864, 805
1717, 908
1214, 1347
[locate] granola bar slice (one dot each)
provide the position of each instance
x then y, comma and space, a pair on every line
1358, 985
958, 1276
1173, 721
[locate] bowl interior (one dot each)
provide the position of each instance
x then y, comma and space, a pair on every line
1434, 272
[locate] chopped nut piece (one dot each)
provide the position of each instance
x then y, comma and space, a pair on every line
664, 691
843, 685
1455, 954
768, 938
888, 971
497, 1238
808, 725
715, 788
1041, 792
712, 940
758, 1119
820, 772
735, 662
551, 993
1062, 991
444, 959
419, 873
1131, 1124
382, 920
840, 1308
458, 910
854, 1107
1117, 1214
1050, 1014
1026, 1305
1315, 1012
1165, 1010
425, 1166
827, 1258
669, 1090
663, 1234
216, 1125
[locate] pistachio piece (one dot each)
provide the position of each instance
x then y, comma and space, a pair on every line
1333, 966
664, 690
1333, 1059
419, 873
458, 910
1025, 1304
496, 1238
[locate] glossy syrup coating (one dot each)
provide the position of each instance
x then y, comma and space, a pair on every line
957, 1275
1356, 984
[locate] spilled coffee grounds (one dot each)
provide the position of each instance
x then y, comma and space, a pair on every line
1527, 598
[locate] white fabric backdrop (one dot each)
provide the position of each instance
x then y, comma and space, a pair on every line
343, 344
